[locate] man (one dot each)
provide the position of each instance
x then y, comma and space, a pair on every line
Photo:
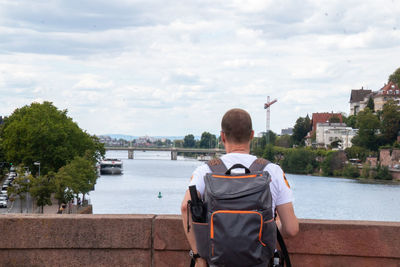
236, 134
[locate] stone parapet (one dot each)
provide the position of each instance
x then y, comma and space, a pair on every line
150, 240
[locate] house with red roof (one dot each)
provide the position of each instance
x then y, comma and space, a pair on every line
388, 91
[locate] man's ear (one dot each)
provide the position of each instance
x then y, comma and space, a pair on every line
252, 135
223, 138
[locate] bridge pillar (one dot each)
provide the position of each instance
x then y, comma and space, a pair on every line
174, 155
130, 154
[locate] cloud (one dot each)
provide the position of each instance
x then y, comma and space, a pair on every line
147, 67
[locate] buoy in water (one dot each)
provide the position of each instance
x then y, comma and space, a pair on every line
159, 195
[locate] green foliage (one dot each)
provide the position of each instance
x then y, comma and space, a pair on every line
41, 188
41, 132
333, 161
78, 176
178, 143
300, 130
371, 104
62, 191
20, 186
269, 153
351, 121
356, 152
299, 160
383, 173
189, 141
390, 122
395, 77
368, 125
208, 140
334, 119
350, 171
367, 172
284, 141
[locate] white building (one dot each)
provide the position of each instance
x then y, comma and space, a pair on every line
330, 132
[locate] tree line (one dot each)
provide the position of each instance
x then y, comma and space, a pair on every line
42, 136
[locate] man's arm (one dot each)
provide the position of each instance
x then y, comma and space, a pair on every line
190, 235
287, 223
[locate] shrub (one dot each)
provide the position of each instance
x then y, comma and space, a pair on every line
351, 171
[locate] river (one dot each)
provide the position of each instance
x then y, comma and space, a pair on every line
137, 190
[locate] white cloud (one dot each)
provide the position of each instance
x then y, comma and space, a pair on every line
150, 68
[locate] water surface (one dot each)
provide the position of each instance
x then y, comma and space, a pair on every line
136, 191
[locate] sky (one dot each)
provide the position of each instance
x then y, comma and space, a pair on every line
170, 68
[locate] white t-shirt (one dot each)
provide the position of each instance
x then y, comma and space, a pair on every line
280, 190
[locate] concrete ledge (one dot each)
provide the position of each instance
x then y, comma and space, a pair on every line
150, 240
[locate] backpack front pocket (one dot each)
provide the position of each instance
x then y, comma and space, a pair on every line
236, 238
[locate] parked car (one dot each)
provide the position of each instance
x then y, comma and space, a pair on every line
3, 203
3, 192
4, 196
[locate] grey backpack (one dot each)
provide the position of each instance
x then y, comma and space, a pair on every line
239, 229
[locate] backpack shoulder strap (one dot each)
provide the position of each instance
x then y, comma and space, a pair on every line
258, 165
217, 166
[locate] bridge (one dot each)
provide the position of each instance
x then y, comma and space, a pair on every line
174, 150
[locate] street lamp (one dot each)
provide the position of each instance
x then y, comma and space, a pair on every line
37, 163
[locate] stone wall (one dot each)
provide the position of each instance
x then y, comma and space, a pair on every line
149, 240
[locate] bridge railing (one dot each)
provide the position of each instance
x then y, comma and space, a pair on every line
159, 240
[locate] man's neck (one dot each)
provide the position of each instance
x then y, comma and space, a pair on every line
237, 148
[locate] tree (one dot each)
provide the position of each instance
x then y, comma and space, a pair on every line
395, 77
334, 161
284, 141
78, 176
368, 125
371, 104
63, 193
300, 130
189, 141
208, 140
41, 132
350, 121
300, 161
390, 126
356, 152
334, 119
178, 143
41, 188
20, 186
269, 153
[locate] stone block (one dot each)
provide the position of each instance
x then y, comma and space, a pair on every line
347, 238
75, 257
171, 258
334, 261
19, 231
168, 233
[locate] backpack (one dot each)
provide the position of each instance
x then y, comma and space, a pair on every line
239, 228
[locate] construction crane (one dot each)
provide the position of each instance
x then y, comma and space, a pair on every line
267, 107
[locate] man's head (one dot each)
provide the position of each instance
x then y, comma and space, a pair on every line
236, 126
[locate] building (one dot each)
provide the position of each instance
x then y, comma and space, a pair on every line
327, 133
288, 131
389, 91
359, 97
358, 100
323, 117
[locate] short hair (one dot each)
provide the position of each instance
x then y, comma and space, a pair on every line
236, 125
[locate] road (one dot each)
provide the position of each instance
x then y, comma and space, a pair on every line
15, 206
